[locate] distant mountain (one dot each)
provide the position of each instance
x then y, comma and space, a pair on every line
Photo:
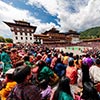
91, 33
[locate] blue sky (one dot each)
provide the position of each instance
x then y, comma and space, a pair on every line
64, 15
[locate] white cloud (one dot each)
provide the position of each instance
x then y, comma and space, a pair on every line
50, 6
10, 13
43, 27
73, 14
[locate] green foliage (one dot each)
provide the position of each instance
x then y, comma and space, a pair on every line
2, 39
9, 40
90, 33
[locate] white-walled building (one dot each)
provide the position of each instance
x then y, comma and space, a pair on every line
22, 31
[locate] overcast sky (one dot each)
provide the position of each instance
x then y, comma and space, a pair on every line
77, 15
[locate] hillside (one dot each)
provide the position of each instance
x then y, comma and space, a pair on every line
90, 33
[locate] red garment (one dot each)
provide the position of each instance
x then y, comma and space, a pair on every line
53, 62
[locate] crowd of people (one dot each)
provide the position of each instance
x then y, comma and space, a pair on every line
35, 72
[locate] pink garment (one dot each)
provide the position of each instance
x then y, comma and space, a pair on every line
46, 92
77, 97
53, 62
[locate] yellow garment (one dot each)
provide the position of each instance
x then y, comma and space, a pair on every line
5, 91
65, 60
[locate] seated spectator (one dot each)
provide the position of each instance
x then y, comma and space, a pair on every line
27, 61
65, 59
95, 72
53, 61
88, 60
14, 57
89, 92
77, 62
63, 91
24, 90
71, 72
48, 59
60, 68
83, 75
44, 72
8, 84
1, 66
45, 90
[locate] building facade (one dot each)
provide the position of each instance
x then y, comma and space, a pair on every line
74, 36
54, 38
22, 31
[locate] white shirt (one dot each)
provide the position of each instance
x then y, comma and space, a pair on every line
94, 72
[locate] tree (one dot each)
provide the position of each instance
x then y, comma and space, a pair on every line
9, 40
2, 39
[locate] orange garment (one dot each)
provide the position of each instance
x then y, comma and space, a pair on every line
79, 63
5, 91
71, 73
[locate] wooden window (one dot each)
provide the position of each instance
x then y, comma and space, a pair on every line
16, 38
21, 34
26, 38
30, 34
25, 33
30, 38
21, 38
15, 33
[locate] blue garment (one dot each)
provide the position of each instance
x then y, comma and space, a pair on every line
48, 60
60, 69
